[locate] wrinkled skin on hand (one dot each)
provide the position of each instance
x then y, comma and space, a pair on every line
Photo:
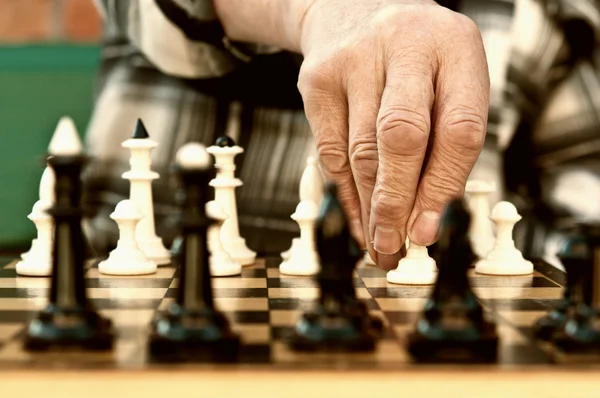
397, 94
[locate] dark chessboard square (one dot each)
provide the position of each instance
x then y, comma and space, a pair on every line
551, 272
255, 353
290, 303
520, 304
245, 317
291, 282
254, 273
401, 317
272, 262
503, 281
8, 273
17, 316
371, 272
302, 282
128, 304
16, 292
128, 283
228, 292
400, 292
4, 261
281, 332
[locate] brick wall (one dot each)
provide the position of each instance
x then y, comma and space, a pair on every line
48, 20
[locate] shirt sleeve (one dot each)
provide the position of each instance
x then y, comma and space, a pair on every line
180, 37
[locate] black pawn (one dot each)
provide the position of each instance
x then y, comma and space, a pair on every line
340, 321
140, 131
192, 329
452, 326
69, 320
578, 331
225, 141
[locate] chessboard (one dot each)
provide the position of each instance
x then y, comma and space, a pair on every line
263, 306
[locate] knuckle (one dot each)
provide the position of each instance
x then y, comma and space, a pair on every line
316, 76
363, 159
334, 158
464, 131
392, 206
403, 131
468, 26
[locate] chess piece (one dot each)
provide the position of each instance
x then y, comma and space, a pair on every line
70, 318
46, 197
127, 258
572, 255
303, 258
225, 184
504, 258
221, 263
481, 231
416, 268
285, 255
452, 326
140, 177
311, 188
192, 329
340, 321
576, 329
38, 260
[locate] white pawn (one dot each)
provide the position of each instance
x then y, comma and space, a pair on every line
504, 258
46, 195
304, 259
221, 263
481, 233
127, 258
38, 261
311, 188
416, 268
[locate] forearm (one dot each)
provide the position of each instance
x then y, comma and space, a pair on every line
271, 22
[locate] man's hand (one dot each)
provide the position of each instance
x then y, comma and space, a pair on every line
396, 93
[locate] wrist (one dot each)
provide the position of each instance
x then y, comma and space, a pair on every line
270, 22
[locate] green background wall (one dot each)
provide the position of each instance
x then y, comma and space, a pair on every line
38, 85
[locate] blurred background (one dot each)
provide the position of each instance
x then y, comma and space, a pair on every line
49, 55
542, 148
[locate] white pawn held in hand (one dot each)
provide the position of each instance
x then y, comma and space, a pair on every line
416, 268
504, 258
221, 263
304, 259
127, 258
38, 261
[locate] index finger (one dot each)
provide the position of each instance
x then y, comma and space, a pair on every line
460, 114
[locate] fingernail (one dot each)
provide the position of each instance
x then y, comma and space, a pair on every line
386, 240
425, 228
